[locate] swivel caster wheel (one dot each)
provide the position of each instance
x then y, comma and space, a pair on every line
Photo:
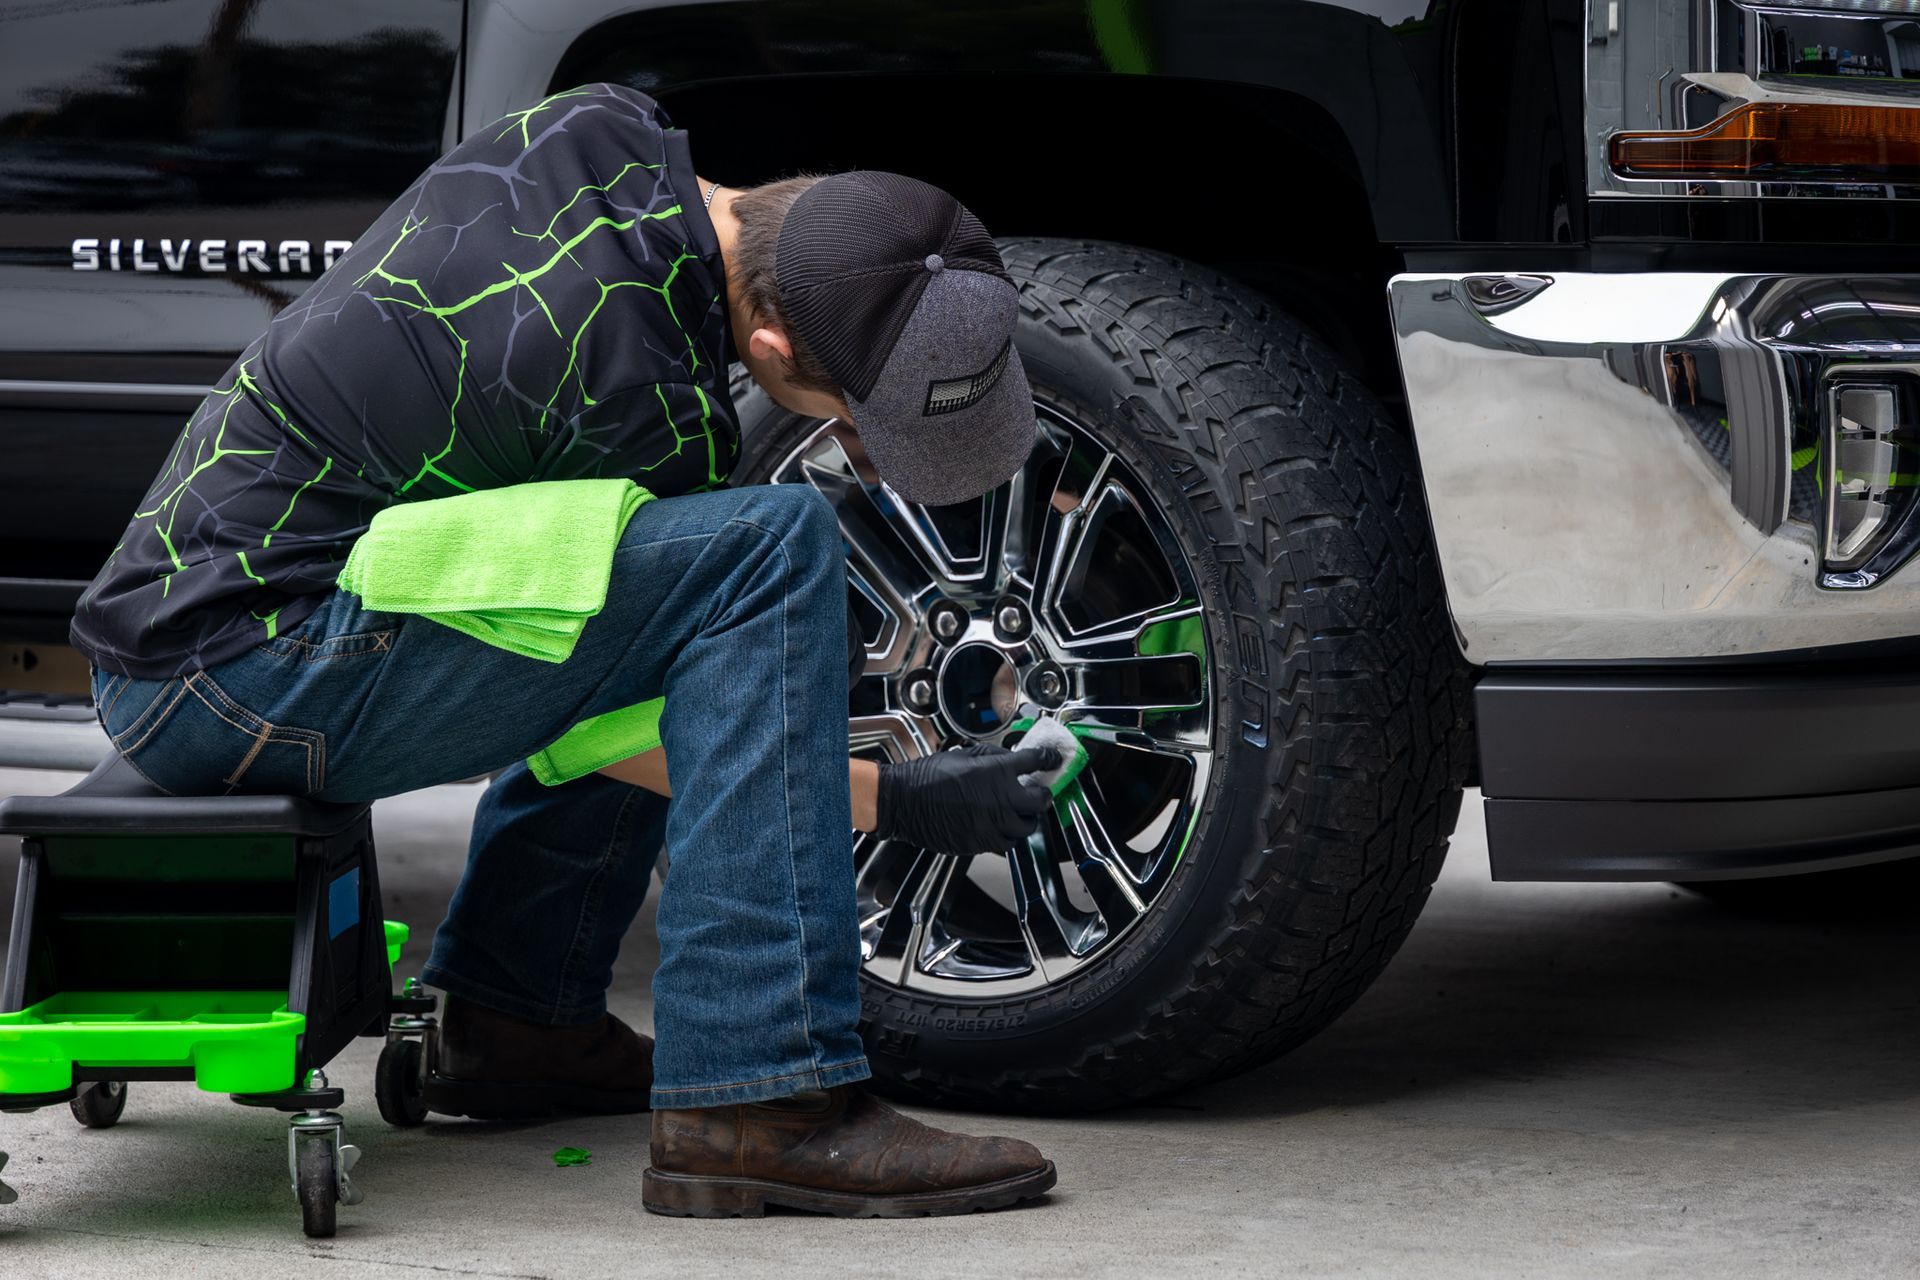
99, 1105
320, 1163
317, 1183
400, 1084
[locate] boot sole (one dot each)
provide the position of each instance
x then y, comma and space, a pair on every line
686, 1195
503, 1100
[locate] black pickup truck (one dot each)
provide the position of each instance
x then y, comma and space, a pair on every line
1518, 392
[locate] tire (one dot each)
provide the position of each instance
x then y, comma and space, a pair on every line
399, 1084
1338, 741
100, 1105
316, 1182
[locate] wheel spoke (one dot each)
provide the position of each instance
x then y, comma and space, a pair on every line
941, 869
896, 735
1105, 877
1186, 734
1136, 684
866, 847
887, 651
1101, 845
874, 521
1180, 743
880, 548
1116, 573
954, 539
1030, 497
1008, 545
869, 852
1116, 568
1172, 628
974, 933
1064, 523
1150, 661
910, 545
1057, 934
897, 934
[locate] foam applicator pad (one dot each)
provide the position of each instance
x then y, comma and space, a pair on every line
1048, 732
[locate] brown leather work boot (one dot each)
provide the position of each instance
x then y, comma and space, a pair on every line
494, 1066
840, 1152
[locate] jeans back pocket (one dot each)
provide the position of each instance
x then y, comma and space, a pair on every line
259, 756
187, 736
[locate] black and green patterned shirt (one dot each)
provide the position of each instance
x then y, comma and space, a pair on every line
545, 303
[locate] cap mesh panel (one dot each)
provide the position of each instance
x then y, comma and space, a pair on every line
851, 265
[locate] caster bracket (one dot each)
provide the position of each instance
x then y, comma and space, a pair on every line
324, 1126
315, 1099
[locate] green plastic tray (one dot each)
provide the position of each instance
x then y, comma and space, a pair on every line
235, 1041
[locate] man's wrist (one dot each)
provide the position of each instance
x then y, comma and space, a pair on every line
863, 785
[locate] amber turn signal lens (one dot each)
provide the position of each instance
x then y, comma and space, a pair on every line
1780, 141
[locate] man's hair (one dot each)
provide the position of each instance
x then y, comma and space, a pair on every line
762, 211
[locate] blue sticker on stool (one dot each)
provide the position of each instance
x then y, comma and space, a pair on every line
343, 903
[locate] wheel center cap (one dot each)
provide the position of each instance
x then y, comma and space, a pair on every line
979, 692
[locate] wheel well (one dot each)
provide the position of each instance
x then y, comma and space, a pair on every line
1256, 182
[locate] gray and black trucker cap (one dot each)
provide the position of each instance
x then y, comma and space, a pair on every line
902, 295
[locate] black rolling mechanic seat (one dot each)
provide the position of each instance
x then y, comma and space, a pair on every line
115, 800
234, 941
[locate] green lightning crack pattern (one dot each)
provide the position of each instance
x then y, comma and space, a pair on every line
207, 452
571, 327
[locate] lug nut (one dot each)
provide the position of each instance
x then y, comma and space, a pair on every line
1010, 618
948, 622
1048, 685
920, 693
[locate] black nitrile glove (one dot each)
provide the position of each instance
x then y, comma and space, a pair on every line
965, 801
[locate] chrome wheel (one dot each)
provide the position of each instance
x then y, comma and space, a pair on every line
1064, 589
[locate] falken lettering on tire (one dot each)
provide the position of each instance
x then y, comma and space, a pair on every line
1252, 631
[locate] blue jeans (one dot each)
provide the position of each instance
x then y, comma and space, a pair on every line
731, 604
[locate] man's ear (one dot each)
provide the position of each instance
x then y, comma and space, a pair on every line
768, 344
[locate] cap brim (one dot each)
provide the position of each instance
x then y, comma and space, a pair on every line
969, 453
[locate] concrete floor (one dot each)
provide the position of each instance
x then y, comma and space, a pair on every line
1549, 1081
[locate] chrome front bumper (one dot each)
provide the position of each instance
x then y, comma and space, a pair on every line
1624, 466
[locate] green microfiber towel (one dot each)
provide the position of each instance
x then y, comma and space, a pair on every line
521, 568
1064, 779
1048, 732
600, 741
